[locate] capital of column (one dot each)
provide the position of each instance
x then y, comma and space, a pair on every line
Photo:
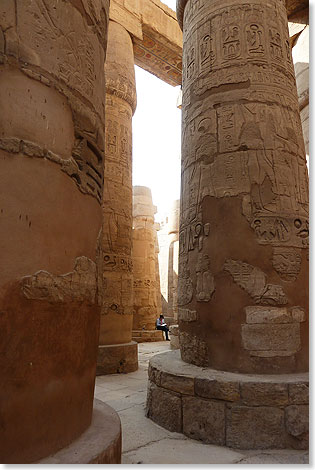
119, 65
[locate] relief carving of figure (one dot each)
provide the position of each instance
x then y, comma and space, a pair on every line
254, 281
205, 280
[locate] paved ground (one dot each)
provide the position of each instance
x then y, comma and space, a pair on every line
144, 442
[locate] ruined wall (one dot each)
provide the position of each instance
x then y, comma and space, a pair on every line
244, 211
51, 150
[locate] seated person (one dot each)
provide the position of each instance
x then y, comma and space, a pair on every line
161, 325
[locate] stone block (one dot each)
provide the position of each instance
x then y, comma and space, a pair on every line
174, 342
164, 408
117, 358
264, 394
276, 339
178, 383
255, 428
299, 394
219, 390
204, 420
298, 314
297, 420
154, 375
267, 314
184, 314
193, 349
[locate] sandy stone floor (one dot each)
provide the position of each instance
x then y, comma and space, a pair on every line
144, 442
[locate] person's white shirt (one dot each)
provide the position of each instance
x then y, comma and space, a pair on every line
160, 322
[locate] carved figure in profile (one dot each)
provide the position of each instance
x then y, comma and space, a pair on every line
205, 280
254, 281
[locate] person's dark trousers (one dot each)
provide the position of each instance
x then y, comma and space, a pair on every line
165, 329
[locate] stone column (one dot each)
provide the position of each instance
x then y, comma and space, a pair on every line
117, 352
144, 267
244, 214
157, 270
243, 263
173, 233
52, 150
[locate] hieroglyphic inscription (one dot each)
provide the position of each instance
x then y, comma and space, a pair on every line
185, 285
115, 262
77, 55
287, 262
242, 141
192, 236
254, 282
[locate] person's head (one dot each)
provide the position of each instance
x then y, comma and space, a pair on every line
161, 316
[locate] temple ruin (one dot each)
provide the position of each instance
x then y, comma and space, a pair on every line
83, 265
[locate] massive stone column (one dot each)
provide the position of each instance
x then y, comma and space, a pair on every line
243, 263
52, 150
173, 232
117, 352
144, 267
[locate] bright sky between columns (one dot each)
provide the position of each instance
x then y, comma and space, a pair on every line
156, 138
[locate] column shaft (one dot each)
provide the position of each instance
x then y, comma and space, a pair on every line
51, 150
116, 352
244, 206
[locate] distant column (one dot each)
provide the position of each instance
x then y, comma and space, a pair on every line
117, 351
144, 262
173, 233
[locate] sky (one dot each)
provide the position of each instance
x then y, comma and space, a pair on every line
156, 130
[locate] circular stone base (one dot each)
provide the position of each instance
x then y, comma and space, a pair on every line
117, 358
174, 337
99, 444
228, 409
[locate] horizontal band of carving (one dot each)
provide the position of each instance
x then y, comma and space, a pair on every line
87, 178
79, 285
122, 89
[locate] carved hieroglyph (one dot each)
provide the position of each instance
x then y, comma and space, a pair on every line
52, 123
244, 205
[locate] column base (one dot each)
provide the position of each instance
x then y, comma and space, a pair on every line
117, 358
143, 336
174, 335
228, 409
99, 444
